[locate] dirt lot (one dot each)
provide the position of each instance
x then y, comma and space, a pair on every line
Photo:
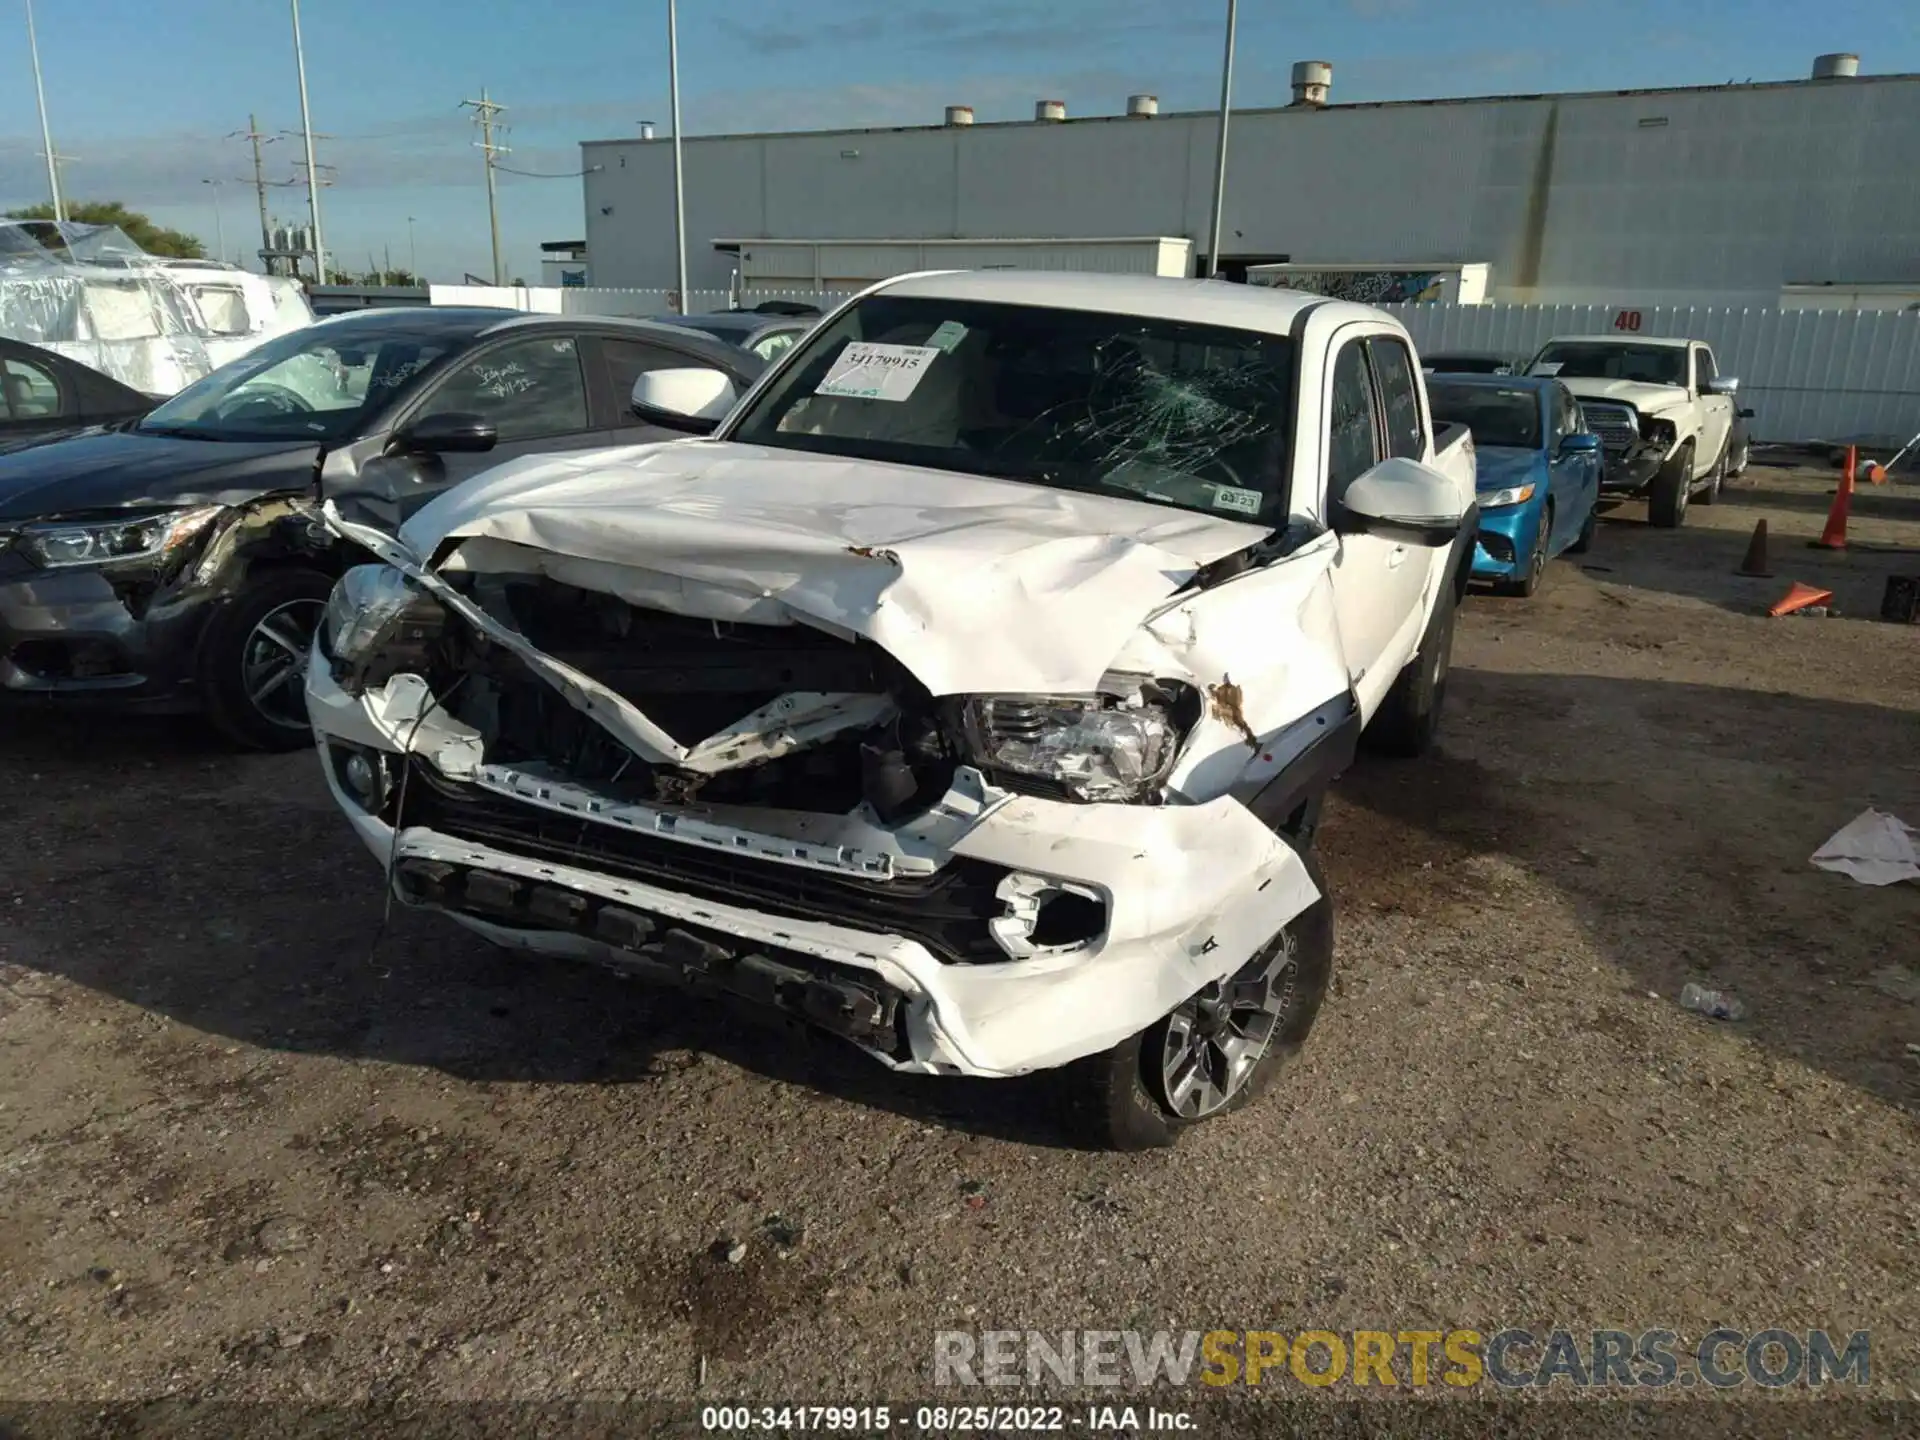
252, 1148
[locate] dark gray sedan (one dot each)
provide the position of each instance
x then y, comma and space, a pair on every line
177, 562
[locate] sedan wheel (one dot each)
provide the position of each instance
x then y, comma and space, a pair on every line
274, 662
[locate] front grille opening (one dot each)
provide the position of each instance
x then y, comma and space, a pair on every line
694, 678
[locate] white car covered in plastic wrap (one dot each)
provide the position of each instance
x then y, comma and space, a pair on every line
969, 690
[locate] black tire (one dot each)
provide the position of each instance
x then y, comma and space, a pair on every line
1528, 584
1583, 542
1672, 488
266, 621
1710, 492
1119, 1097
1408, 720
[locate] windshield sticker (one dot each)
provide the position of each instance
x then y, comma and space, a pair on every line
947, 335
1546, 369
1232, 497
867, 370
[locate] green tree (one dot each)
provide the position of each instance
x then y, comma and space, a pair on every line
152, 238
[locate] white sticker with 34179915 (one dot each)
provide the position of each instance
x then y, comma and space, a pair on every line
866, 370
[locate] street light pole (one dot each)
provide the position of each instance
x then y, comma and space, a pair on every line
1220, 154
219, 224
46, 134
313, 171
679, 188
413, 253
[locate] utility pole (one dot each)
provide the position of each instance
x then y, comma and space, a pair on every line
219, 224
483, 112
46, 133
252, 133
413, 253
679, 188
1220, 155
313, 170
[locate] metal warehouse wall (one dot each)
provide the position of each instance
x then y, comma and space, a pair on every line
1682, 196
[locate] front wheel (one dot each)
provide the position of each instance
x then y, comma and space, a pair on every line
1529, 582
253, 659
1408, 720
1220, 1049
1671, 489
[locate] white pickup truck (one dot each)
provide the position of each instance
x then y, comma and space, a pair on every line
1667, 419
969, 691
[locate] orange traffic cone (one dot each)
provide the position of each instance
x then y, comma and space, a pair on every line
1834, 537
1799, 597
1756, 562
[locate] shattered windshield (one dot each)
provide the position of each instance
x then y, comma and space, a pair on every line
1194, 416
313, 384
1497, 415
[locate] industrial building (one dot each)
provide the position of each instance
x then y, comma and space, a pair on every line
1758, 194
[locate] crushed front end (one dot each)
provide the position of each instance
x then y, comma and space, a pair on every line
784, 815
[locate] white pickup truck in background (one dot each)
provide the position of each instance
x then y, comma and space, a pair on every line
1667, 418
970, 692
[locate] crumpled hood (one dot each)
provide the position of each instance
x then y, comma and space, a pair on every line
974, 584
1501, 466
1647, 399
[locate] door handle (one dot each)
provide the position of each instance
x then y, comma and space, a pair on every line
1396, 557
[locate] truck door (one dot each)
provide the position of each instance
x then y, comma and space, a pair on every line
1378, 582
1716, 411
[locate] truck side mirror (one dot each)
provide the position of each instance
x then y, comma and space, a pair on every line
1723, 385
1404, 499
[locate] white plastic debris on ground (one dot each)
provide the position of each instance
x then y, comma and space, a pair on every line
1874, 848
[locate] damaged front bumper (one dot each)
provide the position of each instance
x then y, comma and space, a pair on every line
995, 934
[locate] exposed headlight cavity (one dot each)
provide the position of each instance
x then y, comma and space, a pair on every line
1116, 745
367, 605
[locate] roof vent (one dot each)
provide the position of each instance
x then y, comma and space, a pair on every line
1836, 67
1143, 107
1049, 109
1312, 79
959, 114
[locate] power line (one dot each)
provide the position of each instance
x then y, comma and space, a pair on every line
484, 110
547, 174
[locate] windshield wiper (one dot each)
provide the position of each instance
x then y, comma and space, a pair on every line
179, 432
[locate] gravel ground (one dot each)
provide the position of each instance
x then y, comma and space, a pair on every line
255, 1147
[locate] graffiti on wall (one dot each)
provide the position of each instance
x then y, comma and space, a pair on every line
1371, 287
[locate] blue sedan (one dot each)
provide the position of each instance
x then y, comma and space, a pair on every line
1539, 469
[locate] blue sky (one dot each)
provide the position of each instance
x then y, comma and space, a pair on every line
142, 93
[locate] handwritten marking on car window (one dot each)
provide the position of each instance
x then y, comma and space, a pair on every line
501, 381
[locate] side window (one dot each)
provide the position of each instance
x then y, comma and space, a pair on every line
771, 347
1353, 439
626, 361
527, 388
27, 392
1704, 373
1405, 435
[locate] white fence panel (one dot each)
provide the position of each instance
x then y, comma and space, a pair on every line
1835, 376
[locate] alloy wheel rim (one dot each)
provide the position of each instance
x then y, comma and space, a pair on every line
273, 662
1217, 1039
